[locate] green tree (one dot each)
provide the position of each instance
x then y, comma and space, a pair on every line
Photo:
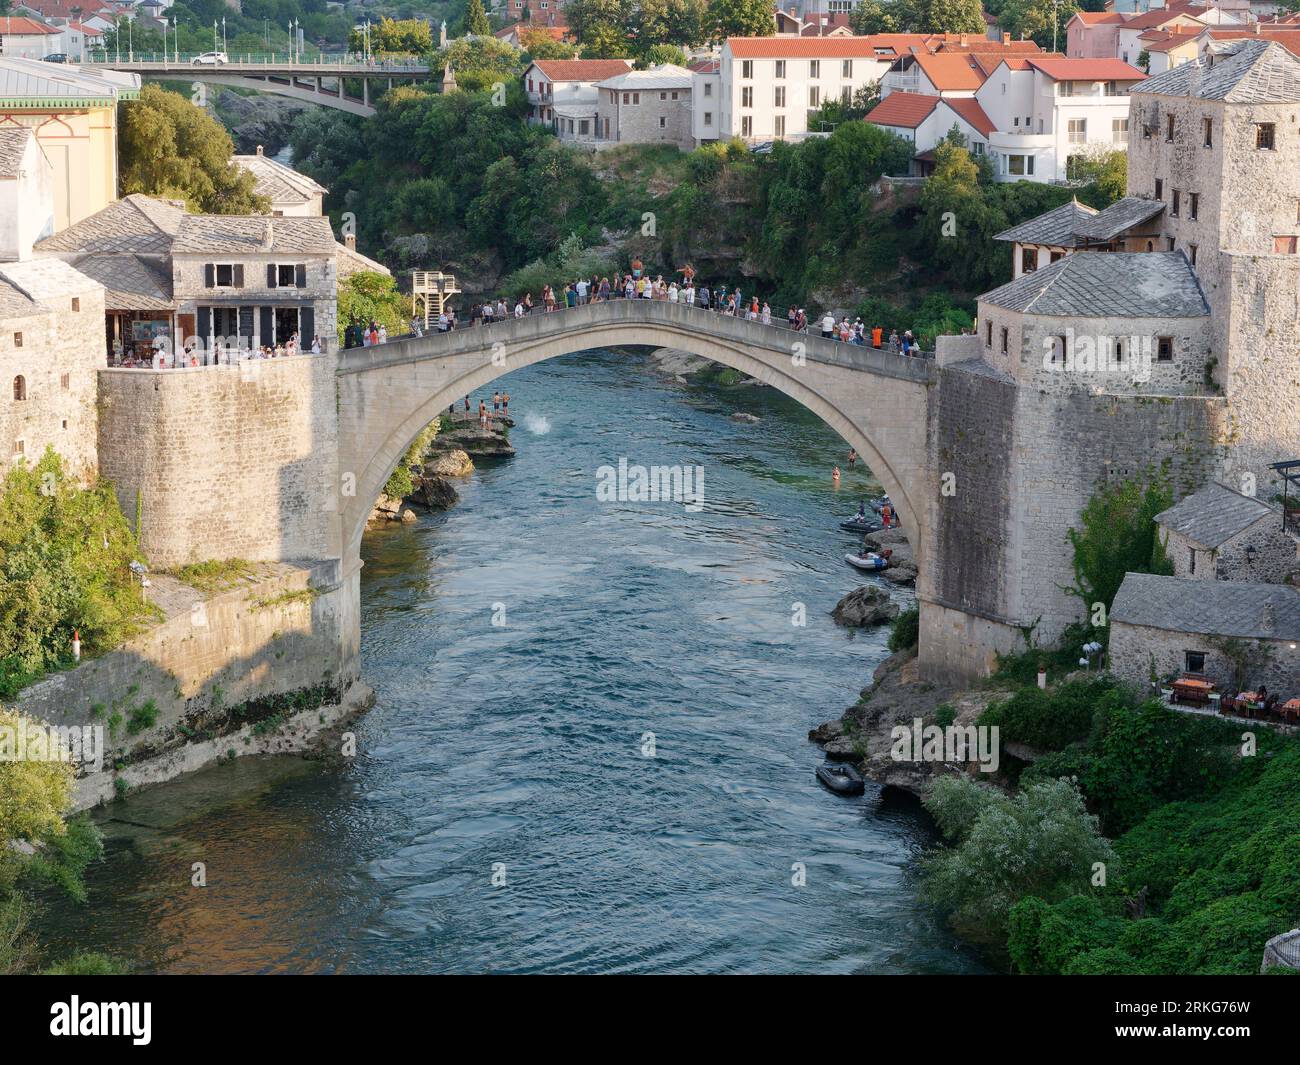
396, 37
169, 147
1106, 169
1037, 18
741, 18
541, 45
873, 16
950, 16
1118, 535
601, 27
366, 297
659, 54
1042, 842
476, 20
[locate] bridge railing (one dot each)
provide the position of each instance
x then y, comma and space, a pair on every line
413, 347
342, 62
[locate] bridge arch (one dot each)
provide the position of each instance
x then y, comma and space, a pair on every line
875, 400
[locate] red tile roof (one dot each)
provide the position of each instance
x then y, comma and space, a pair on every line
1288, 37
906, 110
1158, 17
990, 63
1098, 18
969, 109
582, 69
822, 47
1086, 69
950, 71
24, 27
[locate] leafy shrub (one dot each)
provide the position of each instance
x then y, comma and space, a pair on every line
905, 630
1049, 719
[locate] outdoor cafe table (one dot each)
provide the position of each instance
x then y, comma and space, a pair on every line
1291, 709
1192, 690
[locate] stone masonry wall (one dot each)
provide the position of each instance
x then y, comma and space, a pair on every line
228, 462
1134, 649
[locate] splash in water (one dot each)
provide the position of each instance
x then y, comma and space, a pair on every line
537, 425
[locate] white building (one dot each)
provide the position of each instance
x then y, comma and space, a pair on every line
26, 38
926, 120
770, 84
26, 193
706, 99
1047, 109
562, 94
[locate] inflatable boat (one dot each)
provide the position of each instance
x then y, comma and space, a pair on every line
841, 778
870, 561
866, 525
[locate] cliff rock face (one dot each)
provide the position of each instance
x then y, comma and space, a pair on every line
471, 440
259, 120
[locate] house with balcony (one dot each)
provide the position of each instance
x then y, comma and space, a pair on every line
1048, 109
954, 74
562, 94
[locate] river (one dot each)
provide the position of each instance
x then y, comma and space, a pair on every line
613, 778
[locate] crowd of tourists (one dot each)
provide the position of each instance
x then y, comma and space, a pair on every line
692, 292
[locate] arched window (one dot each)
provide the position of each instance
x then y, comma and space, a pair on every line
20, 387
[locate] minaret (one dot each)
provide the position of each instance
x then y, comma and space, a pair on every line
442, 35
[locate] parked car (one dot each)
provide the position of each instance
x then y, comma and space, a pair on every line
210, 59
56, 57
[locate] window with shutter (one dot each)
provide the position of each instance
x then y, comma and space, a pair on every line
238, 275
209, 275
300, 272
271, 275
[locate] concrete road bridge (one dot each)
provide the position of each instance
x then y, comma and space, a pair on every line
320, 80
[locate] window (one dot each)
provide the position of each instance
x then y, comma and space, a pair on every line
1264, 136
65, 423
708, 88
662, 121
663, 96
779, 72
1207, 132
1194, 205
223, 275
1193, 661
1004, 340
294, 275
747, 96
1169, 127
747, 69
977, 148
778, 96
1057, 256
20, 388
1058, 349
20, 447
627, 98
65, 381
584, 127
1119, 130
1164, 349
18, 340
636, 98
1175, 200
746, 126
1028, 260
1284, 245
708, 118
814, 96
846, 95
1191, 253
1160, 188
988, 334
778, 125
814, 68
1118, 352
76, 303
846, 68
1171, 242
1078, 130
1020, 164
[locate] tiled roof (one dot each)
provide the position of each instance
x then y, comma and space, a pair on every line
1164, 41
582, 69
137, 224
1086, 69
1159, 16
823, 47
13, 146
25, 27
14, 303
278, 182
905, 110
1098, 18
950, 71
969, 108
990, 62
252, 234
664, 76
1244, 71
46, 279
350, 261
27, 79
1215, 515
1289, 38
711, 65
1212, 608
1124, 213
1107, 285
130, 283
1058, 227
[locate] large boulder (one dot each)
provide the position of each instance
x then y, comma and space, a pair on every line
473, 441
455, 463
434, 492
868, 605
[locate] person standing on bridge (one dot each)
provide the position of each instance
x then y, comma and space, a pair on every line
581, 289
828, 325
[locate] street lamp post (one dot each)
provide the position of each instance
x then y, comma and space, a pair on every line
130, 39
214, 35
224, 44
176, 41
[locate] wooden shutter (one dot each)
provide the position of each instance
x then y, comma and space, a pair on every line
237, 275
266, 326
306, 327
209, 275
270, 275
205, 322
300, 275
